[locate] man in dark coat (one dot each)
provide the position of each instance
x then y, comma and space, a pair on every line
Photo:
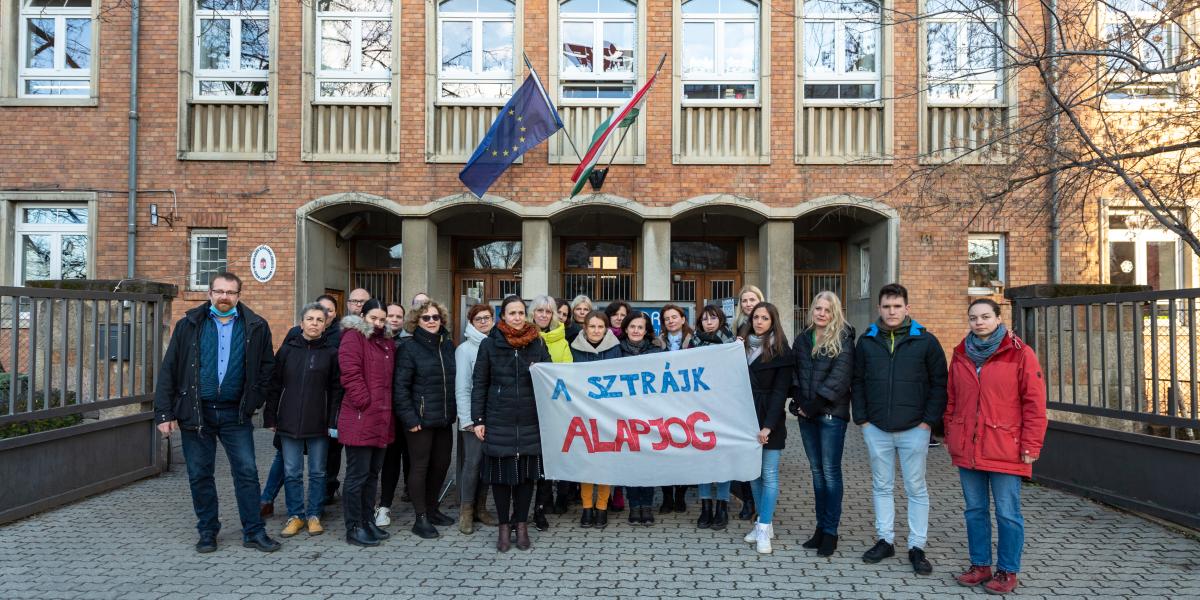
899, 394
215, 374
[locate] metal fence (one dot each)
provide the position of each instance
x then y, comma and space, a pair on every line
1129, 356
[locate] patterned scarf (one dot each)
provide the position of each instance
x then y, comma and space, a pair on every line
979, 350
518, 339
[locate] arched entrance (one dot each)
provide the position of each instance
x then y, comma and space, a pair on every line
714, 251
595, 251
479, 248
846, 246
349, 243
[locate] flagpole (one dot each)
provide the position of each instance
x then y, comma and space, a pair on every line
626, 132
545, 97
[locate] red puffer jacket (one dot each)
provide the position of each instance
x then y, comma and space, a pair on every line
999, 414
366, 359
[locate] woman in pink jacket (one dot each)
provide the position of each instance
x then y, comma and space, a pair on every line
995, 424
367, 357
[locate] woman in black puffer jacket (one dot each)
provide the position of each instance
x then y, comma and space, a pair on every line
423, 398
506, 420
824, 355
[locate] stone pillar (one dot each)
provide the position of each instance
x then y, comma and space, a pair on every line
655, 264
535, 257
420, 257
777, 268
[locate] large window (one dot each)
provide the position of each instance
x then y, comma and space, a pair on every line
599, 268
963, 58
720, 51
841, 50
1139, 29
985, 262
209, 256
232, 49
1143, 252
598, 49
55, 48
475, 49
354, 50
52, 243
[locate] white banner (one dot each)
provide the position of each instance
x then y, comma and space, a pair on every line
671, 418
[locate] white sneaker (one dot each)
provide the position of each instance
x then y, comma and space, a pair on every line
763, 543
752, 536
771, 530
381, 517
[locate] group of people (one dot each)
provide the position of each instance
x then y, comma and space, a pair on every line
387, 388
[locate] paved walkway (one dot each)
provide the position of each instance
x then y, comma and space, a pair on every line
136, 543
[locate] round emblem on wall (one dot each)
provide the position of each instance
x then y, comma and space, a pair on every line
262, 263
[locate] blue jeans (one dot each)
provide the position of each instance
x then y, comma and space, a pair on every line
718, 490
293, 468
823, 438
639, 497
912, 446
274, 480
766, 487
200, 453
1006, 491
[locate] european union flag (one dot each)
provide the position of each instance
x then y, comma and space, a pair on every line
527, 120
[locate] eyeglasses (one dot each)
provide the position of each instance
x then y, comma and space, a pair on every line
431, 318
224, 292
484, 318
353, 301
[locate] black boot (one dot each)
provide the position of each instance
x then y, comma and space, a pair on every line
635, 515
668, 503
561, 503
376, 532
681, 498
706, 514
814, 542
828, 545
747, 511
359, 537
586, 519
720, 515
539, 519
601, 518
647, 515
423, 528
439, 518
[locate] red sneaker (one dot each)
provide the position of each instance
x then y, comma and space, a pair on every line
974, 576
1003, 583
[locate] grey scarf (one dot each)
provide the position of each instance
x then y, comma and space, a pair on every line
755, 344
980, 350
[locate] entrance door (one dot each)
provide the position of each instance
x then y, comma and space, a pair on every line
820, 266
375, 267
484, 270
705, 270
1142, 252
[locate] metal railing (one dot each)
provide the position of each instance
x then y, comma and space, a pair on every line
1129, 356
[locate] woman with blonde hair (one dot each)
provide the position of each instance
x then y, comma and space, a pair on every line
824, 357
748, 297
544, 310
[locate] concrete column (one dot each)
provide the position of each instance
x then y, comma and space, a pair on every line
777, 267
420, 257
655, 263
535, 257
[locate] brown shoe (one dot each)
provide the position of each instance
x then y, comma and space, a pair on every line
466, 518
481, 510
974, 576
314, 526
523, 536
293, 526
266, 509
502, 542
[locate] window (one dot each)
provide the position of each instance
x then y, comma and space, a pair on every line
52, 243
475, 49
963, 59
720, 51
354, 50
232, 49
55, 48
1139, 28
985, 262
600, 269
841, 50
607, 25
489, 255
1143, 252
209, 256
704, 255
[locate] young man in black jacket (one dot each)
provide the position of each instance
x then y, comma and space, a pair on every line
899, 394
215, 374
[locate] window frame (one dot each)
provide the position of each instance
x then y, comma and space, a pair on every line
1001, 260
1113, 79
21, 229
597, 77
235, 18
477, 74
717, 76
962, 48
1140, 237
59, 14
356, 74
12, 62
839, 76
631, 272
194, 236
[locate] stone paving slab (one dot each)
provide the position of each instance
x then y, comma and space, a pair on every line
136, 543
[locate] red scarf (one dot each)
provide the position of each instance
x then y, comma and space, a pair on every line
518, 339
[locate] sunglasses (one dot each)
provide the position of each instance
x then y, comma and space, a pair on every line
431, 318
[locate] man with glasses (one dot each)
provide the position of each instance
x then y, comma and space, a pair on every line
358, 297
214, 376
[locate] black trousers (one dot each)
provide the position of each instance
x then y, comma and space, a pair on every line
429, 450
333, 466
514, 498
363, 464
395, 462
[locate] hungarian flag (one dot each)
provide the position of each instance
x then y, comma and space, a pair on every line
621, 118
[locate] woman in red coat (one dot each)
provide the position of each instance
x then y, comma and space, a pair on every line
365, 427
995, 423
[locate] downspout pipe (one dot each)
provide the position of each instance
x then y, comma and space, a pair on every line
1053, 191
134, 34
